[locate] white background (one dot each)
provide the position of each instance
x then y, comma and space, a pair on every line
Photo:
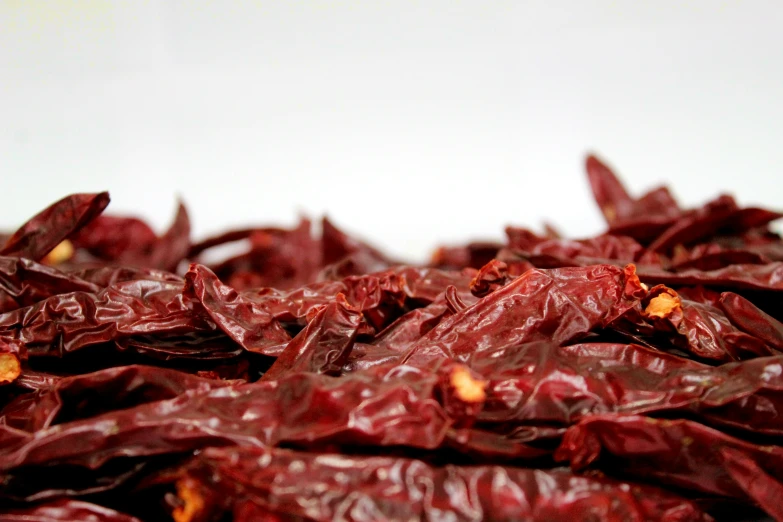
409, 122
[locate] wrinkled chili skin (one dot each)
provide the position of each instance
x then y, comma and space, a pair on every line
678, 453
408, 408
290, 483
83, 396
748, 318
312, 377
535, 306
24, 282
324, 345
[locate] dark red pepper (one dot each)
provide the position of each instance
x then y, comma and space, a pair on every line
465, 375
332, 486
47, 229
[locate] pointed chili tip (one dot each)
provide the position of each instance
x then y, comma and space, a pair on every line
192, 501
592, 161
468, 388
10, 368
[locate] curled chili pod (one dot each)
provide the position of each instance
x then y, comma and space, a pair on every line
715, 217
423, 286
700, 223
380, 297
544, 385
764, 489
105, 276
333, 486
47, 229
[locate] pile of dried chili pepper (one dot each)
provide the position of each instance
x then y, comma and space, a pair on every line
633, 376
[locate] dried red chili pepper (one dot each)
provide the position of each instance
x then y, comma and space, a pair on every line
748, 318
712, 256
605, 247
546, 385
333, 486
383, 406
699, 328
67, 322
84, 396
47, 229
538, 305
767, 277
276, 257
642, 219
679, 452
506, 362
716, 216
105, 276
113, 238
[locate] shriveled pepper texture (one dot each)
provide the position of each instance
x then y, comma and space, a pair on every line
633, 376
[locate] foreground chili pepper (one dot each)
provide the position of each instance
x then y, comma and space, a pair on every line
706, 460
309, 376
360, 488
407, 408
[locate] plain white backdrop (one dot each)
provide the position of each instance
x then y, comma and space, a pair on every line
410, 122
